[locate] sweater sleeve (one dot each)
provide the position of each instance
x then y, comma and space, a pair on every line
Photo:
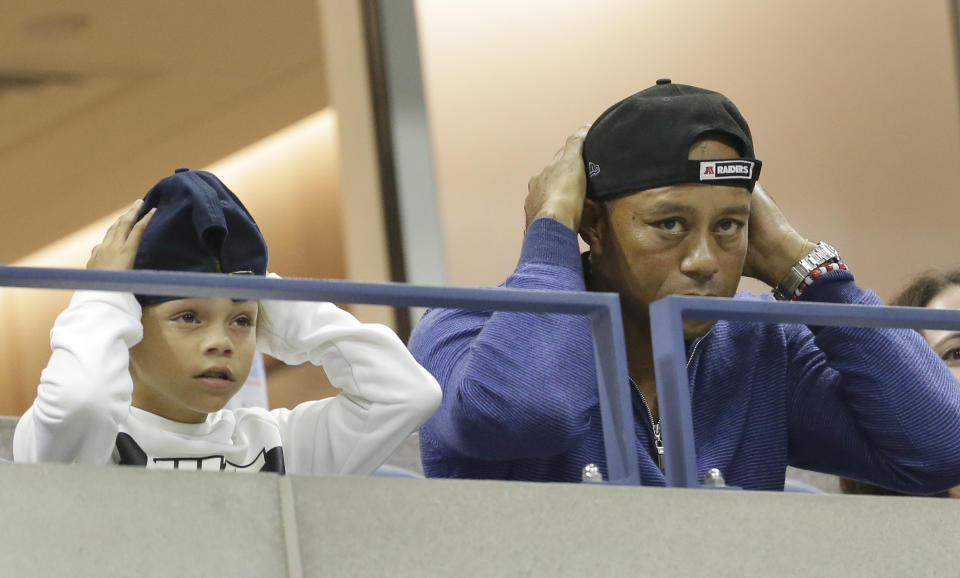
515, 385
386, 393
85, 390
872, 404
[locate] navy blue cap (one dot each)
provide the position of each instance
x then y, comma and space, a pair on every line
643, 142
199, 226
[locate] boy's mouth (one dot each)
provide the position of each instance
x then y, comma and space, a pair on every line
217, 373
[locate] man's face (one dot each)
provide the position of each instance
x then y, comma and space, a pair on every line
687, 239
195, 354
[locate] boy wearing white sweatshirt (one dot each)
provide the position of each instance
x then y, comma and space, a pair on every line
142, 380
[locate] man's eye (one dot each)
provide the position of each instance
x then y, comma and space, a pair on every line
729, 226
670, 225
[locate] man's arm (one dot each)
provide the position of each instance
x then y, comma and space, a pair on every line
515, 385
873, 404
519, 385
774, 245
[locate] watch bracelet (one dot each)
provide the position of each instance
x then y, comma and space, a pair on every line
822, 254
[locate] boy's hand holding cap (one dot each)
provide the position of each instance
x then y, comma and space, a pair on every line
119, 246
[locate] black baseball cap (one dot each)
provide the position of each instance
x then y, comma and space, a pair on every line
200, 226
644, 141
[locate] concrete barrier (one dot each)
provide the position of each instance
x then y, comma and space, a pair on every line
103, 521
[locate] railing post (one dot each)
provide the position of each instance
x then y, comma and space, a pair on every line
673, 393
616, 411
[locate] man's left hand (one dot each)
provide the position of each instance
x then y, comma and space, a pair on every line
774, 246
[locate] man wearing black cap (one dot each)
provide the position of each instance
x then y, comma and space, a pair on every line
663, 189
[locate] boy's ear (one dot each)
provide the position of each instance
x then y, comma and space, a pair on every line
592, 224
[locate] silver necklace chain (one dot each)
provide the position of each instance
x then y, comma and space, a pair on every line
655, 426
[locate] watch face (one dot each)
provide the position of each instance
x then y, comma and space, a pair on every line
821, 254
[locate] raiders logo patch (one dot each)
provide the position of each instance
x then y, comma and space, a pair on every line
717, 170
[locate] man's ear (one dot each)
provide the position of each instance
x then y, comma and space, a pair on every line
592, 223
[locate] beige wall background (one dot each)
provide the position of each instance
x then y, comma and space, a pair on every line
98, 101
853, 106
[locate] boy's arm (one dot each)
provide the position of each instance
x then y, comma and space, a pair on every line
386, 393
85, 390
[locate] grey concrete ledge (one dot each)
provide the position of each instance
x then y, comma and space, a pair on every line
108, 521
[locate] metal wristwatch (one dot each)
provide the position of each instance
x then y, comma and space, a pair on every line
821, 255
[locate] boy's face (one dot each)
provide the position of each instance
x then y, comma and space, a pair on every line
195, 354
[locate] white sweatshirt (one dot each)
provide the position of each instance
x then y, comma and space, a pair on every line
82, 412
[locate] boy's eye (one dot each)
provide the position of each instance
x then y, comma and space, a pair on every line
186, 317
244, 321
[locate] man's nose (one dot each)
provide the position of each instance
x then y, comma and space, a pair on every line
700, 259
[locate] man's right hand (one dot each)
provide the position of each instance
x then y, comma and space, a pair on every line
119, 246
558, 191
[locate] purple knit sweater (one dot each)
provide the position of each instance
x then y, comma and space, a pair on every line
520, 394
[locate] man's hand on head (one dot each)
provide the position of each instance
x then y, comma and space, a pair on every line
119, 246
558, 191
774, 245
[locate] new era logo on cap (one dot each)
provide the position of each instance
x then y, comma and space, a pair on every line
593, 169
717, 170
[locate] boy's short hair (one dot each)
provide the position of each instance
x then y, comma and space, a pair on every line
200, 226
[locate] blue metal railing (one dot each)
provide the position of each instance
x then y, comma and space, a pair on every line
603, 310
669, 353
